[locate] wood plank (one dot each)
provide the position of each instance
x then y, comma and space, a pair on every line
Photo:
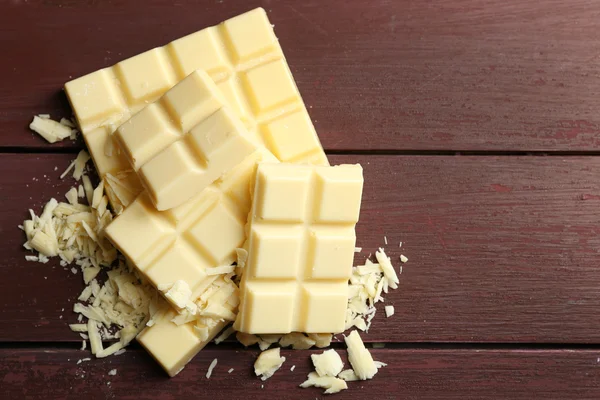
418, 374
501, 249
392, 75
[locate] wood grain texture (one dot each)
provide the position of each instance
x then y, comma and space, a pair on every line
383, 74
501, 249
410, 374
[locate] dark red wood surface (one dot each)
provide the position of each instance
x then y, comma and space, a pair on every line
501, 294
411, 374
382, 74
501, 249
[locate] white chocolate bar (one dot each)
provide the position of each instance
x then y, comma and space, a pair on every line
184, 141
183, 242
300, 249
172, 345
242, 55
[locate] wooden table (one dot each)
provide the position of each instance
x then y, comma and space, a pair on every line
478, 126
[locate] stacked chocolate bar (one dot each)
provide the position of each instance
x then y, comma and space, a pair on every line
227, 202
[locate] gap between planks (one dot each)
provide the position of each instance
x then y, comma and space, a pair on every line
340, 345
366, 152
